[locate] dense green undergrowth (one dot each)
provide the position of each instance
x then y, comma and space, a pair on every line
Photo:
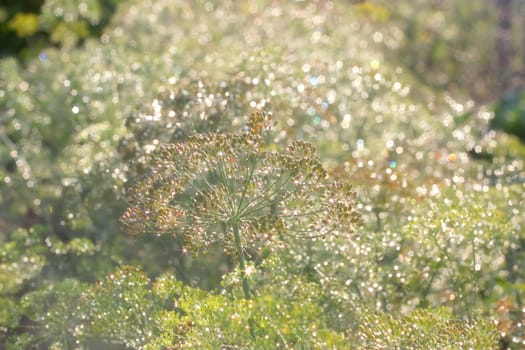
148, 202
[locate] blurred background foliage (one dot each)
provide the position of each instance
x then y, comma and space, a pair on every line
28, 26
418, 104
476, 47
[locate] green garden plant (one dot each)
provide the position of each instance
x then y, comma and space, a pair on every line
157, 104
229, 189
426, 329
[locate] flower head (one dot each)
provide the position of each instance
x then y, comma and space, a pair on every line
211, 184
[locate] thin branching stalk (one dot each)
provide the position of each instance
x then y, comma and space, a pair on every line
244, 277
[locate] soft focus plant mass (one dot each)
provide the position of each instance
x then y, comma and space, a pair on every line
148, 202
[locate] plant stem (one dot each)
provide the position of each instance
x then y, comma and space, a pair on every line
244, 278
242, 263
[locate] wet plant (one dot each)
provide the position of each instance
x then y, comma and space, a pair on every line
426, 329
230, 189
440, 193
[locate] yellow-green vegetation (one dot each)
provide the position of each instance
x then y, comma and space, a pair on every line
28, 26
24, 24
254, 175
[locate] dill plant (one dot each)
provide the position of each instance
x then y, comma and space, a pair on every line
425, 329
230, 189
385, 133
